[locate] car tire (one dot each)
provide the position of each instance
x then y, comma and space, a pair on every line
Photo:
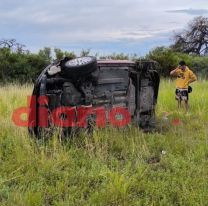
79, 66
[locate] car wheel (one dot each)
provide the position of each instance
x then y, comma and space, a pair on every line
79, 66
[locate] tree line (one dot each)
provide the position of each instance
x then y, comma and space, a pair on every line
191, 44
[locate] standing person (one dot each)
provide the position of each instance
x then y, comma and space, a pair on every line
184, 77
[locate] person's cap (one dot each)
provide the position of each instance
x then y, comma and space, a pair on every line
182, 63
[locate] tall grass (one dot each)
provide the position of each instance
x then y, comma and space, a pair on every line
115, 166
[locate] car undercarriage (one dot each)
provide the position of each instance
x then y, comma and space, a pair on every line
87, 83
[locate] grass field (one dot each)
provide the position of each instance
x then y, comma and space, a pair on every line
114, 167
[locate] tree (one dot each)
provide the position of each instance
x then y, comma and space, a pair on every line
45, 53
168, 59
118, 56
85, 52
193, 40
59, 54
12, 44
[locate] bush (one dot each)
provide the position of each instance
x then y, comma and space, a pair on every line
200, 65
21, 67
168, 60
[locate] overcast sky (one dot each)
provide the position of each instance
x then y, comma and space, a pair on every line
129, 26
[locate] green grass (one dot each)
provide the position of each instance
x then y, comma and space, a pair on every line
114, 167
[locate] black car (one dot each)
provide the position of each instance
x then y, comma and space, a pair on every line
109, 86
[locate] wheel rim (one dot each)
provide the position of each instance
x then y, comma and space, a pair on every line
79, 61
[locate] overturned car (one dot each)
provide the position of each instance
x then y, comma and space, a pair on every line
85, 92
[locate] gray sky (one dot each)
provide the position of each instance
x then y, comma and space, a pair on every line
133, 26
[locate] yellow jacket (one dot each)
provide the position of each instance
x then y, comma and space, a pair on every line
184, 78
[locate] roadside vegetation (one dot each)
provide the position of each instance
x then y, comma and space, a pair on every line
113, 167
